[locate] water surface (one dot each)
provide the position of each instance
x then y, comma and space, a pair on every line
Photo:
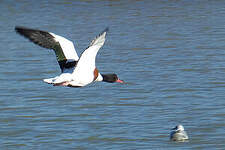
170, 53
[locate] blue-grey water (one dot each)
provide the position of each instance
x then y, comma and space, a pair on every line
171, 54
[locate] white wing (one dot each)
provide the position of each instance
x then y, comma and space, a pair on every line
67, 47
85, 68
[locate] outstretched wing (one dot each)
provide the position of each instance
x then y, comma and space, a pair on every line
86, 64
64, 49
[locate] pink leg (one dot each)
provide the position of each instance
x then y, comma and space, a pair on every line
62, 84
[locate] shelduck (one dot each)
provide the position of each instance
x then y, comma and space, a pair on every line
75, 71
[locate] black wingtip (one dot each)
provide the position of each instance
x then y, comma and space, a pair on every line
18, 29
39, 37
106, 29
21, 30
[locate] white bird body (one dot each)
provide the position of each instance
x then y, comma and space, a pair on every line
178, 134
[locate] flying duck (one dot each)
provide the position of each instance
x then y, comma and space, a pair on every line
178, 134
75, 71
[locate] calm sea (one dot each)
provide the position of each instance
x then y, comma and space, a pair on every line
171, 53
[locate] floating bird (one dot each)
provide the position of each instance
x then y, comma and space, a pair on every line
75, 71
178, 134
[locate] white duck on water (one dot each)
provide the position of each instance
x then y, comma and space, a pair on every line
75, 71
